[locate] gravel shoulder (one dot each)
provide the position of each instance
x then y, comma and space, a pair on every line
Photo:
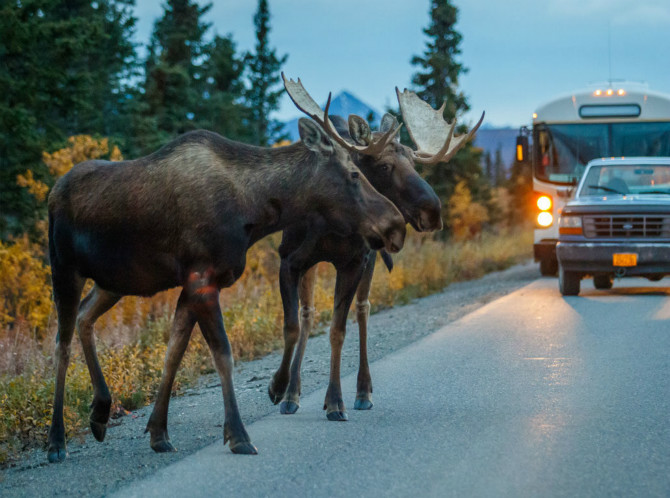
196, 418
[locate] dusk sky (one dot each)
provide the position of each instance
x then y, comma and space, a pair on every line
519, 53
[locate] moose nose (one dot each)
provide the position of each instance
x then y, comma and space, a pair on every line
395, 237
430, 213
430, 220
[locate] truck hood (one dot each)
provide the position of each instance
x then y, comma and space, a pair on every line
636, 203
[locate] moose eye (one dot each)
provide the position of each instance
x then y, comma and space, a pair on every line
384, 167
354, 174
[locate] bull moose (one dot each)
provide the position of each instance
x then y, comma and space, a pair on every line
391, 171
186, 216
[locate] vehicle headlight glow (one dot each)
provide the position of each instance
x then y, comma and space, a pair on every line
544, 203
570, 225
545, 219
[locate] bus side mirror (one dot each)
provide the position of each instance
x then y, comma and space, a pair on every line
521, 148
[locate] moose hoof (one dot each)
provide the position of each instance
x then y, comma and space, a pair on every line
275, 397
337, 416
362, 404
288, 407
98, 429
243, 448
56, 454
163, 446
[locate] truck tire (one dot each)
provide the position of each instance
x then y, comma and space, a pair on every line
548, 267
602, 282
568, 282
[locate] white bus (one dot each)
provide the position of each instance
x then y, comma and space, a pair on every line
606, 120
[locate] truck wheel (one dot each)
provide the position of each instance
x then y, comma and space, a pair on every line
602, 282
548, 267
568, 282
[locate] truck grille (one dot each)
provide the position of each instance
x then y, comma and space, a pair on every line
626, 226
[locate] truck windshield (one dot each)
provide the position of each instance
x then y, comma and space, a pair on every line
562, 150
626, 179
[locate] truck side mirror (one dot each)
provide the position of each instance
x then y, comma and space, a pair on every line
521, 148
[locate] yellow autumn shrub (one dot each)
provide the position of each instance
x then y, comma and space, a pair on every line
25, 290
466, 218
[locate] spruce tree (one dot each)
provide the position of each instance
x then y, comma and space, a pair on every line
264, 68
488, 167
62, 70
436, 83
441, 69
222, 109
171, 94
499, 168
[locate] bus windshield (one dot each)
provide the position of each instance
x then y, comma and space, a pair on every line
562, 150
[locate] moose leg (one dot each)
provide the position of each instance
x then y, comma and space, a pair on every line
345, 288
291, 401
288, 286
364, 383
94, 305
203, 299
67, 286
184, 321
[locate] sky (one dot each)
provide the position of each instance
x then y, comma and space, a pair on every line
520, 53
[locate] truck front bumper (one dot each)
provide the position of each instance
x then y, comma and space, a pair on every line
590, 258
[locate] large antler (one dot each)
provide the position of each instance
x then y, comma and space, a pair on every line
306, 104
433, 136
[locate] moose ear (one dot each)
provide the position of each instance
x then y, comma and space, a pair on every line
314, 138
389, 122
359, 130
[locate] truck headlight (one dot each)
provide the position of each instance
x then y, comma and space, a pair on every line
570, 225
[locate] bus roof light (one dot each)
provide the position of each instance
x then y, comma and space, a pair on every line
621, 92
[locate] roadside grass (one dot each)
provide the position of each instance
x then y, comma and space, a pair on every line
132, 337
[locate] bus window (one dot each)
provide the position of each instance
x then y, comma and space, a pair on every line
564, 150
641, 139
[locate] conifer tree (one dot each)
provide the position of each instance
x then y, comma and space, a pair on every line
174, 83
264, 68
222, 109
437, 82
499, 168
441, 69
62, 73
488, 168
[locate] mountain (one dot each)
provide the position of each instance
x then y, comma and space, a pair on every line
343, 104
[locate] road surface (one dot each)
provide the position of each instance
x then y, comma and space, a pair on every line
530, 395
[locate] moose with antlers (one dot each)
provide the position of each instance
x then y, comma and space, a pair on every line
389, 166
186, 216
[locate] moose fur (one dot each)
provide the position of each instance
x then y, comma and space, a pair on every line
186, 216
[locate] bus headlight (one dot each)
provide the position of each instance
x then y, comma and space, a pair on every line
545, 219
570, 225
544, 203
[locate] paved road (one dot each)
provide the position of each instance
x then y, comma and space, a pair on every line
530, 395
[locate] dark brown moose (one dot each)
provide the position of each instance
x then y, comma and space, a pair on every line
185, 216
390, 168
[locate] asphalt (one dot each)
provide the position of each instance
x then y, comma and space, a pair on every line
532, 394
100, 469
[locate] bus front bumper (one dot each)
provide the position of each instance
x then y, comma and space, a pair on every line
545, 250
